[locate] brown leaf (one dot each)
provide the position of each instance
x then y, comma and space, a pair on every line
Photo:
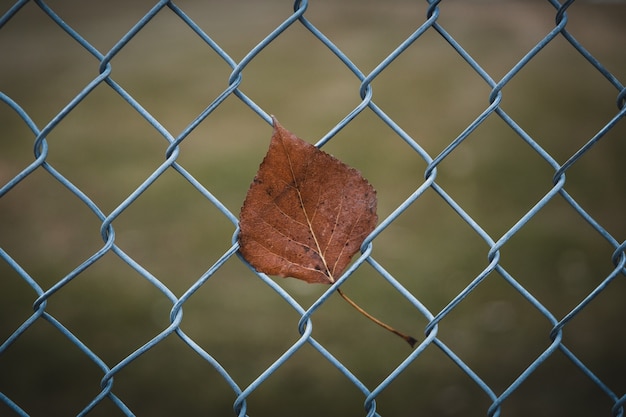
306, 213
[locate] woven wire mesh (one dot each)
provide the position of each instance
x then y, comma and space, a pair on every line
466, 118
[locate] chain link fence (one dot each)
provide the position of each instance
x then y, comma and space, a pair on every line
492, 132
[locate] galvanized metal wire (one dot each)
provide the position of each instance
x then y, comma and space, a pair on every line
299, 17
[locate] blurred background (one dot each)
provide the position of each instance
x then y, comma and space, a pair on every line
107, 149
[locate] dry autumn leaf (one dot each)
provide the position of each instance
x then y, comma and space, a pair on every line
306, 214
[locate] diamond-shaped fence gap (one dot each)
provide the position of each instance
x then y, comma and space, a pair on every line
495, 314
46, 69
383, 158
501, 34
169, 364
105, 149
444, 389
299, 377
339, 328
555, 386
43, 363
274, 80
503, 165
412, 248
558, 240
112, 321
185, 74
366, 32
61, 234
486, 164
564, 114
445, 94
238, 30
101, 24
173, 231
224, 151
355, 340
235, 315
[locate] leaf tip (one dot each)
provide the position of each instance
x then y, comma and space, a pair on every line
275, 122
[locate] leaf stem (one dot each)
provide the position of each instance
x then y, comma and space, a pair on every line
410, 340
